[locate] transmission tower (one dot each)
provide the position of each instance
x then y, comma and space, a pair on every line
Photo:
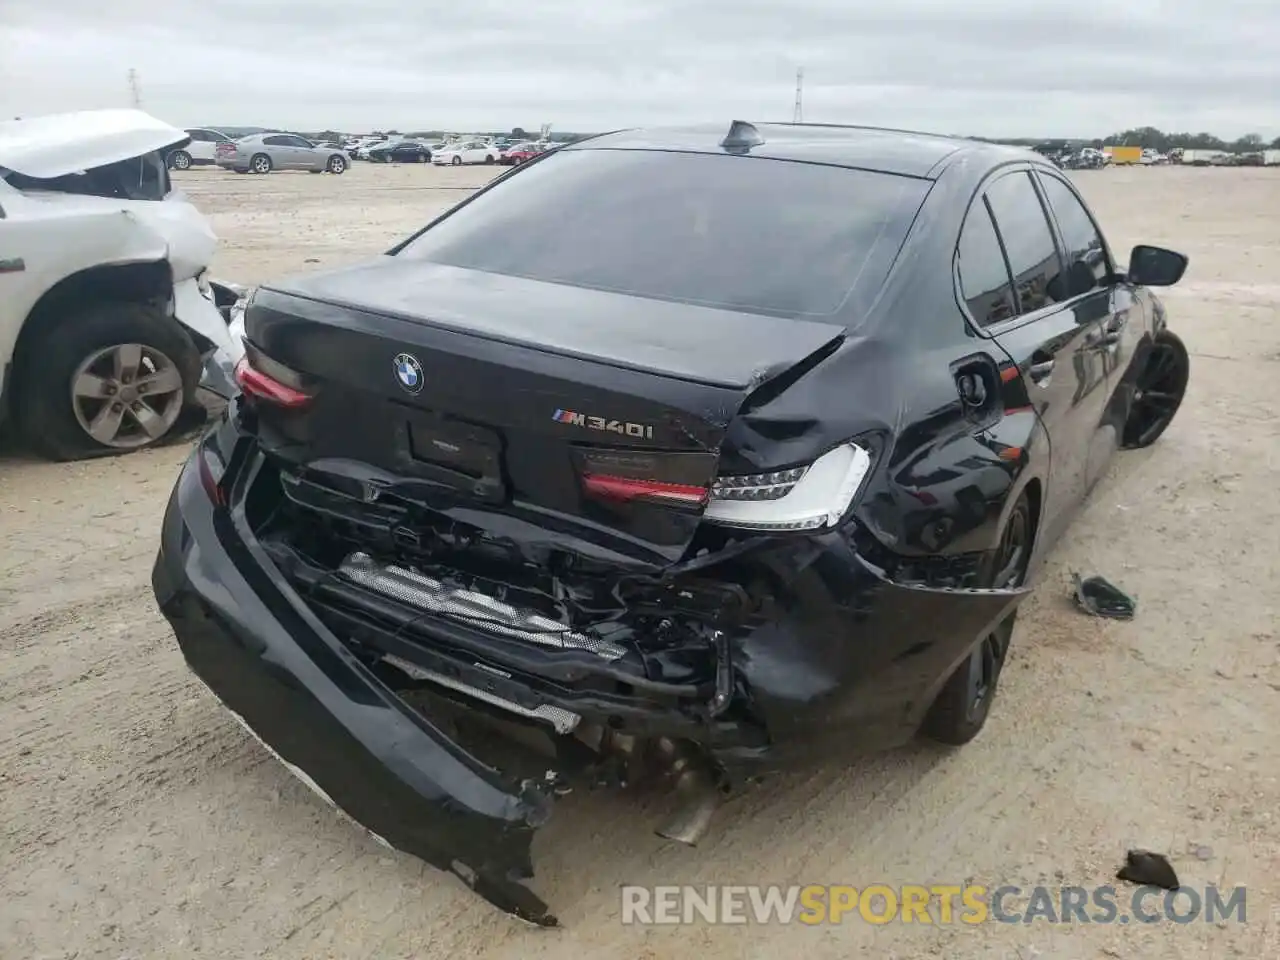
135, 90
798, 114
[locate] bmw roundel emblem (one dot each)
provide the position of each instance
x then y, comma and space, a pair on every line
409, 373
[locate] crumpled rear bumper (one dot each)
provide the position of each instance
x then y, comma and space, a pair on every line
297, 688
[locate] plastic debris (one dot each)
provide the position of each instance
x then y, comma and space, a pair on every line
1098, 597
1148, 869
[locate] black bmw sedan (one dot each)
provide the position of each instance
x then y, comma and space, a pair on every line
749, 462
400, 151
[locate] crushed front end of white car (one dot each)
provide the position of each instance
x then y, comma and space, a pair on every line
109, 323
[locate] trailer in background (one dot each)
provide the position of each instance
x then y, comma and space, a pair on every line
1123, 155
1199, 158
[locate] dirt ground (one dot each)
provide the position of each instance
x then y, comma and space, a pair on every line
138, 820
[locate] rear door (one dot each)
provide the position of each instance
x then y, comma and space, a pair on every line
201, 146
1090, 267
1052, 339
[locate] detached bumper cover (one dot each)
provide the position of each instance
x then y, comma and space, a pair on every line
294, 685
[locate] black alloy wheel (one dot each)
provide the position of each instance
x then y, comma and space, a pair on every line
987, 660
1158, 391
964, 703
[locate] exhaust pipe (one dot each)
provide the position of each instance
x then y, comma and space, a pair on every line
698, 797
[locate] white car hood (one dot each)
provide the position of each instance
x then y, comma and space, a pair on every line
63, 143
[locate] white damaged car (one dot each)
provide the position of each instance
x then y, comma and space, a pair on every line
109, 323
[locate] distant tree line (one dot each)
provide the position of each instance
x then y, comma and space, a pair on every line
1164, 142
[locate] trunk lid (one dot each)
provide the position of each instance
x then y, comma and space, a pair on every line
573, 410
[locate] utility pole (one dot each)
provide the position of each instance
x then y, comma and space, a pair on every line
135, 91
797, 115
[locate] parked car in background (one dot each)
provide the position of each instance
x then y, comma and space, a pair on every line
520, 152
107, 314
1087, 158
264, 152
400, 151
369, 143
200, 150
469, 151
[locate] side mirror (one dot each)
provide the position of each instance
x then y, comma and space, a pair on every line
1156, 266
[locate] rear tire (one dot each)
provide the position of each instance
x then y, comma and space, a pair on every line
962, 706
337, 164
51, 403
456, 161
260, 163
180, 160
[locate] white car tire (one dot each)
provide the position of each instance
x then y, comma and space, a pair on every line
52, 408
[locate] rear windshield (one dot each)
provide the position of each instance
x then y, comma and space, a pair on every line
743, 233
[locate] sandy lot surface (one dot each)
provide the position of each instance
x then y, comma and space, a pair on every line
138, 820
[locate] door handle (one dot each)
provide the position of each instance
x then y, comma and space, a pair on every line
1039, 372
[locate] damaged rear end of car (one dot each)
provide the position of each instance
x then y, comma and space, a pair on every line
478, 533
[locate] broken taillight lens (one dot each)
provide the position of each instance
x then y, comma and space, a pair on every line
254, 381
625, 489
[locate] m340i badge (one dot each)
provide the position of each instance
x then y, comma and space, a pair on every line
639, 430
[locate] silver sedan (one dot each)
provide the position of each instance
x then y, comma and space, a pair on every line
264, 152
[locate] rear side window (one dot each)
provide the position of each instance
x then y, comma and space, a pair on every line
741, 233
1087, 265
1028, 240
984, 274
276, 141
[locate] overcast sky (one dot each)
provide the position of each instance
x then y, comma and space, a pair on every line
984, 67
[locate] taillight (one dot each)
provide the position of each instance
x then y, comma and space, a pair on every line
799, 498
625, 490
254, 381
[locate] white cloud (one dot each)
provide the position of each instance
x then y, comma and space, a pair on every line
987, 67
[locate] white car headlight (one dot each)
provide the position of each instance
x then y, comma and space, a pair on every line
800, 498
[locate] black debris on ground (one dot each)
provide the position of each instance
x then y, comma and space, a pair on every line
1099, 598
1147, 869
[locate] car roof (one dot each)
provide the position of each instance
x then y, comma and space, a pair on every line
905, 152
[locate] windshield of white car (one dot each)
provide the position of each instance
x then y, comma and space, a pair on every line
798, 240
138, 178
